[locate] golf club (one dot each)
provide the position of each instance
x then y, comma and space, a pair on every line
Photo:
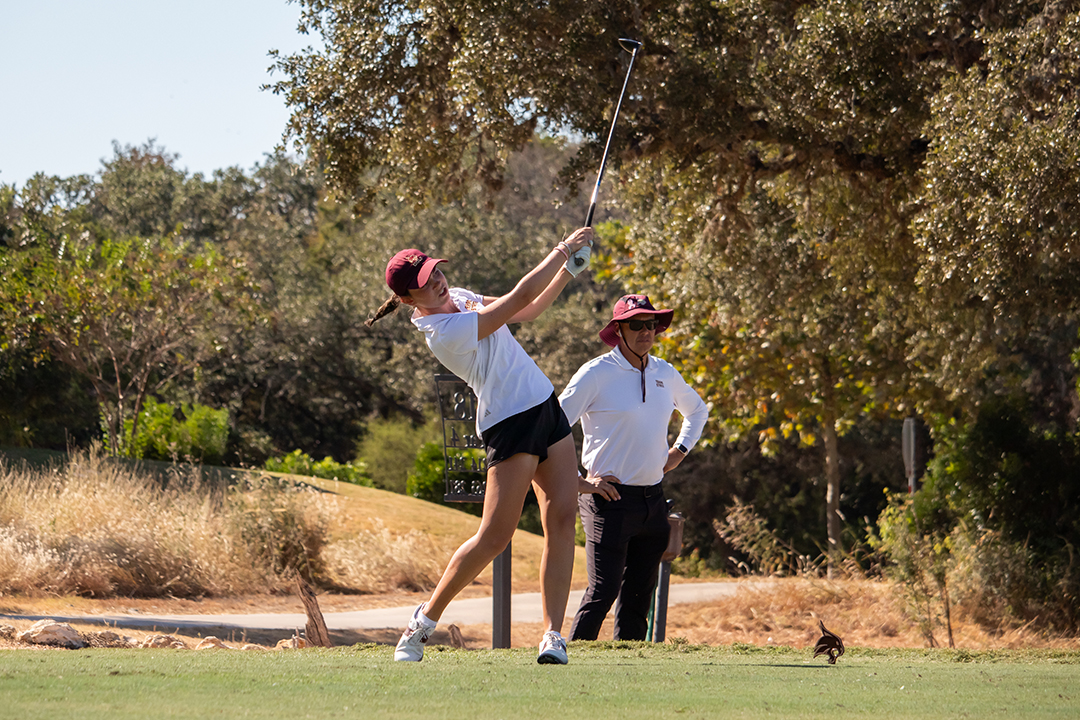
632, 47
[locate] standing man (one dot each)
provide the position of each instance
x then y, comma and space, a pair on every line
624, 400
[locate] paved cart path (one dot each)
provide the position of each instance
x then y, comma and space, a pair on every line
524, 608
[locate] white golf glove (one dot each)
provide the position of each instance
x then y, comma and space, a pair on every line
579, 261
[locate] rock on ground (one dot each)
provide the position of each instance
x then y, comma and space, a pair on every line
293, 643
163, 641
210, 642
50, 632
109, 639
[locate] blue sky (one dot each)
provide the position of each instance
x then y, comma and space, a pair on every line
75, 76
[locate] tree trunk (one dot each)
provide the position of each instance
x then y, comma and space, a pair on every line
140, 398
315, 630
948, 610
832, 495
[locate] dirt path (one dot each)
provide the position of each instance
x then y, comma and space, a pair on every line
754, 611
525, 607
380, 621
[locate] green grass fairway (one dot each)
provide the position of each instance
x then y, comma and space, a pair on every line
604, 680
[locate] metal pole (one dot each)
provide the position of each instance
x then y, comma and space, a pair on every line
457, 406
658, 615
500, 600
651, 627
659, 632
908, 450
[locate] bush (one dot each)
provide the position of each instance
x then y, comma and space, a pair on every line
427, 480
691, 565
300, 463
915, 534
389, 448
996, 524
187, 432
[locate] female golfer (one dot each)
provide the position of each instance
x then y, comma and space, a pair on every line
523, 427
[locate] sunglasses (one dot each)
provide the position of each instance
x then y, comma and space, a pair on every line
639, 325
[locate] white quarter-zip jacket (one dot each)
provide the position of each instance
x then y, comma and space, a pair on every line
624, 436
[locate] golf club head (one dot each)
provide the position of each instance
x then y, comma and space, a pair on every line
630, 46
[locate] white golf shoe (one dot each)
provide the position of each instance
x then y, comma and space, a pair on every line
552, 649
410, 647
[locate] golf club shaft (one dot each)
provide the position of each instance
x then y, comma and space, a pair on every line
611, 132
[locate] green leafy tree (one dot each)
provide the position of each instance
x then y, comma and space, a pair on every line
790, 167
427, 96
785, 328
129, 315
999, 220
140, 191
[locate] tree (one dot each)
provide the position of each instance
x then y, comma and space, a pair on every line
422, 96
313, 375
129, 315
141, 192
785, 147
999, 221
788, 329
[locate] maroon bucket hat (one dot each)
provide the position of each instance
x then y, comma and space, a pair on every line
409, 270
630, 306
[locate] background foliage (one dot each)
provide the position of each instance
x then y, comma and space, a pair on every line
190, 433
859, 212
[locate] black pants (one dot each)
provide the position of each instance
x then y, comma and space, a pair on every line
625, 540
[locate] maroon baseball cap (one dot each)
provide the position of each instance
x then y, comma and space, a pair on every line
409, 270
630, 306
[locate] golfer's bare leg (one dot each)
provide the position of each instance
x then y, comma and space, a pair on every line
504, 496
556, 491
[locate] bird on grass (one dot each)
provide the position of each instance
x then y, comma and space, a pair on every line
829, 644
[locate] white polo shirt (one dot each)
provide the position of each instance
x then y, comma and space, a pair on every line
624, 436
503, 376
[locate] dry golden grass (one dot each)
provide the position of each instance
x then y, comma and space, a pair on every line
370, 512
94, 525
378, 560
99, 528
863, 612
96, 528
